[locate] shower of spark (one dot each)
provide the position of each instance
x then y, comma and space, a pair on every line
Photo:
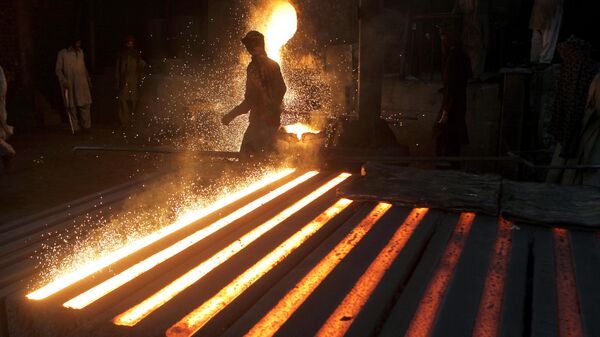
89, 260
280, 28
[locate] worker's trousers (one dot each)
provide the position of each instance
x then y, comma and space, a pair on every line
126, 111
84, 113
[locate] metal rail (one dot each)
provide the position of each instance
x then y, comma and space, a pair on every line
162, 150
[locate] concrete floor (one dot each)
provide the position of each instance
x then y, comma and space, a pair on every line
46, 172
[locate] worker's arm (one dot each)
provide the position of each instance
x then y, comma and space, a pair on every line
87, 74
118, 73
239, 110
60, 66
245, 106
3, 84
280, 87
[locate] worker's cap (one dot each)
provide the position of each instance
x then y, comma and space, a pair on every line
253, 38
74, 37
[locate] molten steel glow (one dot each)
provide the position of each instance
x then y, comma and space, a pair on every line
488, 317
426, 313
145, 308
366, 284
95, 293
569, 316
299, 129
195, 320
280, 28
272, 322
189, 218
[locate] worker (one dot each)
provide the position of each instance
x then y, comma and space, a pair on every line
573, 118
7, 152
263, 98
450, 128
75, 85
128, 75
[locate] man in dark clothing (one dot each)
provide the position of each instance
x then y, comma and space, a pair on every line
265, 89
128, 75
450, 128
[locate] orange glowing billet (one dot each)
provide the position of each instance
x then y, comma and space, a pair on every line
189, 218
569, 315
152, 303
356, 299
196, 319
490, 307
97, 292
425, 316
285, 308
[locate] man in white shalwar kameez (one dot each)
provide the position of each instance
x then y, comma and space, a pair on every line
75, 84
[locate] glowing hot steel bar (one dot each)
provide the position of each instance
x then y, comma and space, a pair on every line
569, 315
140, 311
272, 322
95, 266
357, 297
426, 313
95, 293
195, 320
489, 314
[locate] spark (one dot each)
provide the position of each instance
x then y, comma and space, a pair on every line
99, 263
134, 315
97, 292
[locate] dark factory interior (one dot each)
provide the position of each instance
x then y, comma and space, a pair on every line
302, 168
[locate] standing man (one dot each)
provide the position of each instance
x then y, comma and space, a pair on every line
75, 84
451, 128
128, 79
6, 150
265, 89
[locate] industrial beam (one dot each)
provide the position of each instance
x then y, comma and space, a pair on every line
371, 57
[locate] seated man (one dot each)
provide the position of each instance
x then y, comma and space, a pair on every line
265, 89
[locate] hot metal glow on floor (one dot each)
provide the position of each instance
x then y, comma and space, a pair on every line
134, 315
272, 321
352, 304
195, 320
488, 316
97, 292
93, 267
569, 316
422, 321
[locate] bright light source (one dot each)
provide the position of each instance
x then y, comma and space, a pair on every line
280, 28
299, 129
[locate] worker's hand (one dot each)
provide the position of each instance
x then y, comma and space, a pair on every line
226, 119
443, 118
